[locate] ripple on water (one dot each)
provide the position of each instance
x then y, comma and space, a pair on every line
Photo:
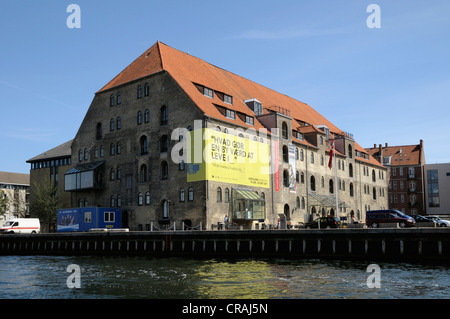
140, 277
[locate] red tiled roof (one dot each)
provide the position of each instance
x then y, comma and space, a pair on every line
303, 142
188, 70
400, 155
148, 63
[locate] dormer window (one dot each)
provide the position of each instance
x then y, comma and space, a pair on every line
325, 129
258, 108
228, 99
254, 105
230, 114
208, 92
299, 136
249, 120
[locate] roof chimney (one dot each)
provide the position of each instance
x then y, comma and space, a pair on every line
386, 145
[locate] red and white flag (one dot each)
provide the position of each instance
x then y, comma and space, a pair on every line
330, 162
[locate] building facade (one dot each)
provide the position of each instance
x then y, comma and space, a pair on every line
437, 190
15, 191
49, 168
135, 150
406, 176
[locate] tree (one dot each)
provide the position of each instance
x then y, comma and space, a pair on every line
44, 203
4, 203
19, 203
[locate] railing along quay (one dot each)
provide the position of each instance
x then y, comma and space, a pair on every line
399, 245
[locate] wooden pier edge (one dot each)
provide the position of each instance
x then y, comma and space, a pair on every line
396, 245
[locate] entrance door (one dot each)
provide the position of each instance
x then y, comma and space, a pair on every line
287, 212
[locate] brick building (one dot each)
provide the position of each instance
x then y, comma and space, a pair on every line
50, 167
406, 175
123, 153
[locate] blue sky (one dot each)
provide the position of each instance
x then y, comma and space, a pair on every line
387, 85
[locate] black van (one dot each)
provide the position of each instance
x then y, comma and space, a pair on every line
375, 217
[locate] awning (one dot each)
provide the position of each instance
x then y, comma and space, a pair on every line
322, 200
246, 194
85, 167
325, 201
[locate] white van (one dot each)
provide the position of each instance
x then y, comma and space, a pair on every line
21, 226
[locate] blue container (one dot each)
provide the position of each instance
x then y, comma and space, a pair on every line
85, 218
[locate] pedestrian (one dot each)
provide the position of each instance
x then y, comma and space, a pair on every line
225, 220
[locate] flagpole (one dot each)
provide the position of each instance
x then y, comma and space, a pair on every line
335, 181
333, 154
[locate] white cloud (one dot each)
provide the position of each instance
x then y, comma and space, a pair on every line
286, 34
29, 92
29, 134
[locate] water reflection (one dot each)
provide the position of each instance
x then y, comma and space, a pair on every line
239, 279
141, 277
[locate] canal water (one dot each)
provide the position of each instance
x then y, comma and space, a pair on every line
49, 277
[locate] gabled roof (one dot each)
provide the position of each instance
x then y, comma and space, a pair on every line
190, 72
57, 152
146, 64
400, 155
15, 178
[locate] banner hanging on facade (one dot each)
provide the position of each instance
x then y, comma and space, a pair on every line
276, 165
292, 169
228, 158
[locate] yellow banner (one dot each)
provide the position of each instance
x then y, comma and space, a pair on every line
227, 158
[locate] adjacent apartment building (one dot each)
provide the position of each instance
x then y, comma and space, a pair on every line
437, 189
174, 139
50, 167
15, 191
406, 175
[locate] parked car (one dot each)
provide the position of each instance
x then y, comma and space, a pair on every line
423, 221
439, 221
376, 217
324, 222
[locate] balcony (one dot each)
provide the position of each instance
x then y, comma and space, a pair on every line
247, 205
84, 176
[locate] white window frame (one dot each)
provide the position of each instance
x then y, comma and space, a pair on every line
109, 217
